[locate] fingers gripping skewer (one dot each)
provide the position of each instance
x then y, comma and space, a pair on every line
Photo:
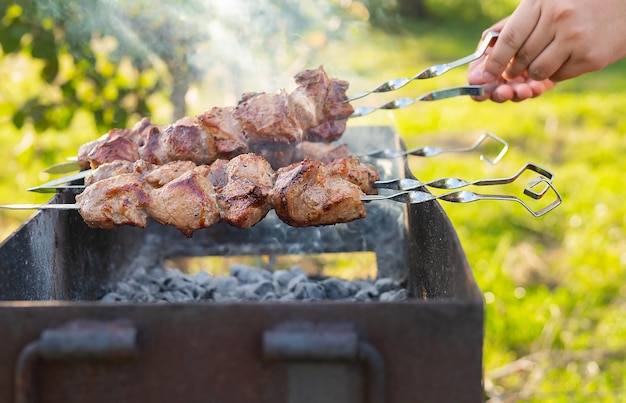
430, 72
430, 151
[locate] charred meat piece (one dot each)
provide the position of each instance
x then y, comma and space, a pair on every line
321, 151
226, 130
239, 192
321, 99
353, 170
314, 111
118, 144
115, 201
246, 194
305, 194
269, 118
162, 174
108, 170
118, 167
188, 203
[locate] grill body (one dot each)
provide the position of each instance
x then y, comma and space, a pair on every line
61, 345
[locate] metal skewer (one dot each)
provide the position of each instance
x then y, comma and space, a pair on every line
408, 197
430, 72
31, 206
472, 90
464, 196
54, 185
70, 165
456, 183
429, 151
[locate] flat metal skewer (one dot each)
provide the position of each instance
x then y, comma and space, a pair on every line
31, 206
430, 72
408, 197
430, 151
472, 90
464, 196
456, 183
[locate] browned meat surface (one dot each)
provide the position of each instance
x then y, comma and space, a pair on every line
226, 130
162, 174
246, 194
239, 192
108, 170
320, 98
315, 111
321, 151
305, 195
114, 201
353, 170
118, 167
188, 203
269, 118
120, 144
189, 140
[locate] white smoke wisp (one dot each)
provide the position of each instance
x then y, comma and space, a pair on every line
229, 47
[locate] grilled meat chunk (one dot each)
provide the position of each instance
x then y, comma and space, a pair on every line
314, 111
268, 118
188, 203
246, 189
321, 151
353, 170
118, 144
226, 130
320, 101
115, 201
305, 194
239, 192
162, 174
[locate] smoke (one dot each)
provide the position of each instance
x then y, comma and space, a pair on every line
234, 45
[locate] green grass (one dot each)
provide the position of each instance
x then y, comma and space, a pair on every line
554, 286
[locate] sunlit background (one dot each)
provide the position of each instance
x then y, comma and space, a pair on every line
553, 286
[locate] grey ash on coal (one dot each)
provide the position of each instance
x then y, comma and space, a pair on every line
247, 283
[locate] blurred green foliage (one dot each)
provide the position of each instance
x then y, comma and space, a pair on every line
554, 286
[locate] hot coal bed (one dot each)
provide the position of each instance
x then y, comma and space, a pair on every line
61, 342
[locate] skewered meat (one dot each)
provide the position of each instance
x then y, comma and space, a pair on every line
322, 151
307, 194
188, 203
314, 111
240, 192
114, 201
246, 194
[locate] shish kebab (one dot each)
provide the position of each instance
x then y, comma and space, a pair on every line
239, 191
269, 124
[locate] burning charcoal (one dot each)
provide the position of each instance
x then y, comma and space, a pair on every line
248, 274
394, 295
308, 291
335, 288
249, 283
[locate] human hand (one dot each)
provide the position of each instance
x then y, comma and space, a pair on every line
517, 89
557, 40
